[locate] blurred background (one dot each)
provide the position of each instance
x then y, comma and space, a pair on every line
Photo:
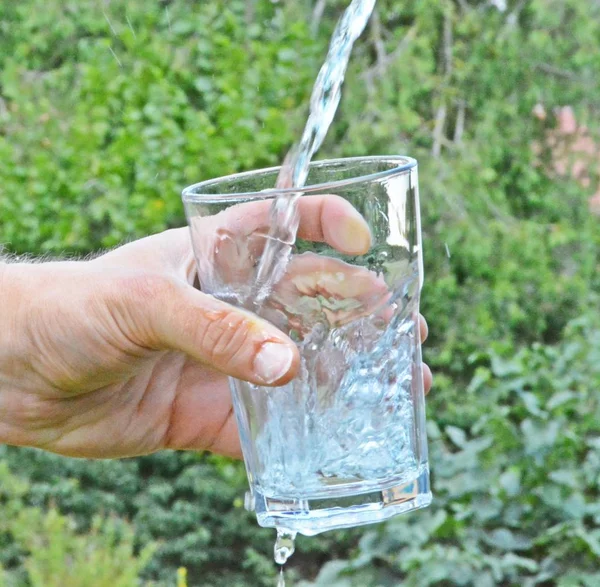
109, 108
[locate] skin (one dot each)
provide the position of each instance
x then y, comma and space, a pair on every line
121, 355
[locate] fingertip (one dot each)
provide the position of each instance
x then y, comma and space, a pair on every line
427, 378
344, 227
354, 236
276, 363
424, 328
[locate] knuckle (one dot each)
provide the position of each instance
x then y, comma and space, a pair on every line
146, 288
226, 336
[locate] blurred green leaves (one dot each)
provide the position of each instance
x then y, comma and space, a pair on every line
53, 553
110, 110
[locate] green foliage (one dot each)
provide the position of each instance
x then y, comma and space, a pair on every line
58, 557
190, 504
108, 109
53, 553
114, 109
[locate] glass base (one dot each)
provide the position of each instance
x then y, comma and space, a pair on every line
313, 516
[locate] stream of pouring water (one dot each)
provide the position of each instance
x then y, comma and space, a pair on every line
324, 102
284, 218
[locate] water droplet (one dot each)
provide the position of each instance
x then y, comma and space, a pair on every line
224, 240
284, 545
130, 26
223, 234
115, 56
168, 18
112, 28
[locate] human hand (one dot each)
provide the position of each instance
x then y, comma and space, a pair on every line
121, 355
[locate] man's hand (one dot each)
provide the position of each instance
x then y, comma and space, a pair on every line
122, 356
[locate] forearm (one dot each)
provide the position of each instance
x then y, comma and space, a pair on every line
13, 292
28, 319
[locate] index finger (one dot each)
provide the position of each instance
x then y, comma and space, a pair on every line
327, 218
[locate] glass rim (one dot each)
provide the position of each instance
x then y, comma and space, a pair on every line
190, 193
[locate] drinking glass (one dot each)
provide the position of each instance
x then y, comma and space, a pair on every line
344, 443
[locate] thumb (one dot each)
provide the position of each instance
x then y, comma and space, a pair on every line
170, 314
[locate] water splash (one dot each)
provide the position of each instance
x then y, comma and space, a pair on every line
355, 389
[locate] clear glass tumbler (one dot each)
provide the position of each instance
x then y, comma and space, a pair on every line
344, 443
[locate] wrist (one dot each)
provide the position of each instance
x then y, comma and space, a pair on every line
11, 284
19, 283
13, 294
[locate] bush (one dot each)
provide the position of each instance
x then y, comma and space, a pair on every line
52, 553
114, 110
191, 505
